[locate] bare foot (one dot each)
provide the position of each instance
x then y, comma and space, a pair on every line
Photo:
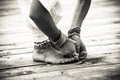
46, 52
67, 46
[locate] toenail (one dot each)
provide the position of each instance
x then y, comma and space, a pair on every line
75, 55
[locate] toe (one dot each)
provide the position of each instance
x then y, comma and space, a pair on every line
75, 55
83, 55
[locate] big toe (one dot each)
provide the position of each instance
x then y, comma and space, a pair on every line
83, 55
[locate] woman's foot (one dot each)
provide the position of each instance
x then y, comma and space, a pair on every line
47, 52
67, 46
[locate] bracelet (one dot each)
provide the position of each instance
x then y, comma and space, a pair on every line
69, 35
74, 30
41, 44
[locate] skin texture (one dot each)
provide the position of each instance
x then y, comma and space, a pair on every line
80, 14
42, 18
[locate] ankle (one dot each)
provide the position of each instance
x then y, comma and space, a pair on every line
74, 30
56, 37
61, 40
72, 35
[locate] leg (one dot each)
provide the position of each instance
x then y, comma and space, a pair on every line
80, 13
44, 22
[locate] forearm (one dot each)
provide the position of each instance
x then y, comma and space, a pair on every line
80, 12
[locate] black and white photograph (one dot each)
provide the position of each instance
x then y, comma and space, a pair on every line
59, 39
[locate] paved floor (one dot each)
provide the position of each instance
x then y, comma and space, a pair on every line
100, 32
